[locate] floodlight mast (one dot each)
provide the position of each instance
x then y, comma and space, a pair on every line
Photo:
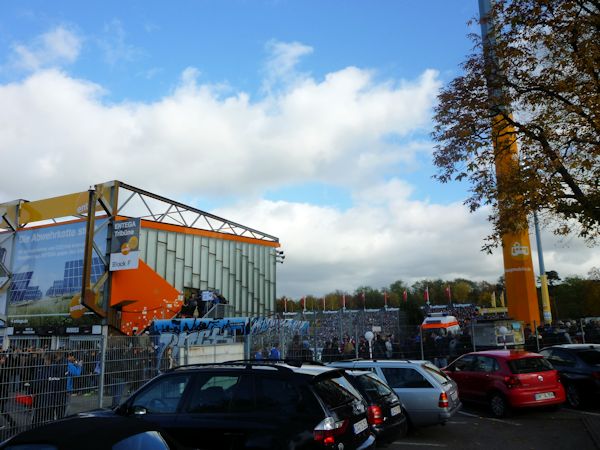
521, 292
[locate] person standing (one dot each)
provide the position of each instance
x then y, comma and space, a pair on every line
74, 369
275, 354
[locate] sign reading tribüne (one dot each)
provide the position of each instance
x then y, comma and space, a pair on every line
124, 247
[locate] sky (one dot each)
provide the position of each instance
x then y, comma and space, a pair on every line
307, 120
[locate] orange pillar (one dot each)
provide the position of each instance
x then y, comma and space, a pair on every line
521, 292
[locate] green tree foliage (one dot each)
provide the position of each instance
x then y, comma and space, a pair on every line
546, 84
576, 297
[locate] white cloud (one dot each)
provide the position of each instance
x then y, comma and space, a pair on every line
199, 139
114, 45
373, 243
55, 48
280, 68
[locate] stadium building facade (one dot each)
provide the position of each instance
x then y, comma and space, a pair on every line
134, 259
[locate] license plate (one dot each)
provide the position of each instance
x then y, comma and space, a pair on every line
454, 396
395, 411
544, 395
361, 426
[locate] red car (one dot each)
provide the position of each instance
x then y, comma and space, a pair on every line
506, 379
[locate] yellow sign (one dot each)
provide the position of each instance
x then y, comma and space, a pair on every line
52, 208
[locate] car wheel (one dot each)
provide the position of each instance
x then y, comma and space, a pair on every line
573, 396
498, 405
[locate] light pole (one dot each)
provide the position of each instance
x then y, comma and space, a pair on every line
279, 257
369, 337
503, 332
547, 312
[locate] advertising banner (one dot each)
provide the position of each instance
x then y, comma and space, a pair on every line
124, 247
47, 267
6, 243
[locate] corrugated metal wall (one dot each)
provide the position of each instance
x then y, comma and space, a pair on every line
244, 273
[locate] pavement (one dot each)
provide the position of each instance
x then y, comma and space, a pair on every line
474, 428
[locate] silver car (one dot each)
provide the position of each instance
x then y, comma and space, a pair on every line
428, 394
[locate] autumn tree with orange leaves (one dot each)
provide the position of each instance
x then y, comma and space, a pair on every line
545, 80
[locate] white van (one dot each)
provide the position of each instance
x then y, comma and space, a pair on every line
441, 321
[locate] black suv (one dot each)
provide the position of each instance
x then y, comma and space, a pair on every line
385, 413
579, 368
254, 404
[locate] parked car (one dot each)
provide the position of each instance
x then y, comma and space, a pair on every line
93, 432
385, 413
579, 368
252, 404
506, 379
428, 394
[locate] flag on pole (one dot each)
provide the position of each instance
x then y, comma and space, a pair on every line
344, 300
449, 294
284, 304
303, 301
385, 298
405, 296
426, 295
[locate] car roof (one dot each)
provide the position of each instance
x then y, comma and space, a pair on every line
507, 354
380, 362
290, 366
575, 346
74, 432
358, 373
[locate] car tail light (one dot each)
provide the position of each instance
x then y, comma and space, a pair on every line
24, 400
327, 430
443, 403
374, 415
512, 381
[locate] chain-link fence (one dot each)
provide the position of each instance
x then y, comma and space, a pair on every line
333, 335
44, 379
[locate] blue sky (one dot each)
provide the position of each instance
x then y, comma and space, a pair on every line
309, 120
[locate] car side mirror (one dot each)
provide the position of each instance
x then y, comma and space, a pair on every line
139, 410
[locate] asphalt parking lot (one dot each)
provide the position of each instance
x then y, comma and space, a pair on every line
475, 428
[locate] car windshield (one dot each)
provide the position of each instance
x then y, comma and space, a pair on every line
529, 365
336, 391
436, 373
591, 357
373, 386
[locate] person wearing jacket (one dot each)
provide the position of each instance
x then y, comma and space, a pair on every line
74, 369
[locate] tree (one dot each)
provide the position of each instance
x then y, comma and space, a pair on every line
544, 73
461, 290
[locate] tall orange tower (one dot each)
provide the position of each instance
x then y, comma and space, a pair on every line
521, 293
